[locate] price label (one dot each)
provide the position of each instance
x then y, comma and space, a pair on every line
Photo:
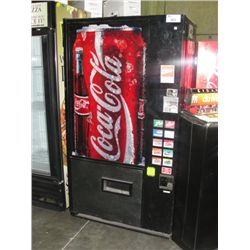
173, 18
157, 151
156, 161
165, 170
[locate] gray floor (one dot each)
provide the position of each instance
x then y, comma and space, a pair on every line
53, 230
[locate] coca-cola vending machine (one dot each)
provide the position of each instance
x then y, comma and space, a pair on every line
124, 77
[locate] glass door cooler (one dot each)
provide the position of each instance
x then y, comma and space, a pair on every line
49, 173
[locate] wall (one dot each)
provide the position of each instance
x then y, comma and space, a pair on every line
203, 13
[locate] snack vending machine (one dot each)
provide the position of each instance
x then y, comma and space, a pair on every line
124, 80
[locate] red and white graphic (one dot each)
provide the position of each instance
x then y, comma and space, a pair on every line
156, 161
168, 144
141, 114
169, 124
167, 73
188, 71
166, 170
157, 151
81, 106
113, 65
81, 102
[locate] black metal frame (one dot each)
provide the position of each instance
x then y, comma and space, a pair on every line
49, 191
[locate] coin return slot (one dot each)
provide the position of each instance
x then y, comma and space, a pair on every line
117, 187
166, 182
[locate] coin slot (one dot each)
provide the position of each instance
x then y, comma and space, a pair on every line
166, 182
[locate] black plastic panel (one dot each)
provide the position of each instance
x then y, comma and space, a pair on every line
195, 224
121, 201
48, 192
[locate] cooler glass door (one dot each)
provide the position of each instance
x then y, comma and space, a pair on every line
40, 149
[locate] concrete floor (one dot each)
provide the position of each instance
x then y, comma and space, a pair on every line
53, 230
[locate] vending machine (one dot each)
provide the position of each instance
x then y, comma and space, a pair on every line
48, 157
124, 80
195, 223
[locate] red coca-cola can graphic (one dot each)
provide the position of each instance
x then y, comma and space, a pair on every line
114, 64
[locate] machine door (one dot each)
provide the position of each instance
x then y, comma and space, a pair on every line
40, 148
46, 139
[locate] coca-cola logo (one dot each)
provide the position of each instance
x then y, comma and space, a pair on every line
81, 105
109, 100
